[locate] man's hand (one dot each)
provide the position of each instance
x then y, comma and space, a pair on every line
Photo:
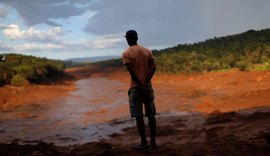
152, 70
133, 74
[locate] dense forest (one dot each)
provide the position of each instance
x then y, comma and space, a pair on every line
246, 51
20, 70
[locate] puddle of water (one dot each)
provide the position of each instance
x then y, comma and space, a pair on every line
73, 119
81, 117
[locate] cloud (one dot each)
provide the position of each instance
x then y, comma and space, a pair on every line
54, 39
36, 47
14, 32
36, 12
4, 11
157, 21
178, 21
102, 42
234, 16
3, 47
106, 41
30, 47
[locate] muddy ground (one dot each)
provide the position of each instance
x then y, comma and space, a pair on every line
244, 132
225, 113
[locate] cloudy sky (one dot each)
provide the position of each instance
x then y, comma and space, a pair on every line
62, 29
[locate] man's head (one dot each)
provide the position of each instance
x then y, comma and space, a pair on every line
132, 37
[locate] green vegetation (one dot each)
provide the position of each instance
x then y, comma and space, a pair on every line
246, 51
20, 69
70, 64
109, 63
19, 80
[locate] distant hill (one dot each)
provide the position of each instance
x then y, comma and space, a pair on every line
93, 59
246, 51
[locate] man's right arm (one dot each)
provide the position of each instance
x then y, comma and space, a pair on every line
152, 70
132, 73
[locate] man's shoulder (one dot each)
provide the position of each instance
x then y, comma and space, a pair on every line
142, 47
136, 48
126, 52
146, 50
129, 49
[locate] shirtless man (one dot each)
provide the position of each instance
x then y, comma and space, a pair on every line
141, 66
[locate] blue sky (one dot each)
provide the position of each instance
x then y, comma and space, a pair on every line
62, 29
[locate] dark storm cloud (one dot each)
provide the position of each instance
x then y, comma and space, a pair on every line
233, 16
158, 22
178, 21
155, 20
43, 11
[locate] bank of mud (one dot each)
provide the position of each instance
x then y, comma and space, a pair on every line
213, 124
244, 132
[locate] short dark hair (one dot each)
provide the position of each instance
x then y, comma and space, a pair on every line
131, 34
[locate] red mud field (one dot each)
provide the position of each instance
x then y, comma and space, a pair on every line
219, 113
12, 97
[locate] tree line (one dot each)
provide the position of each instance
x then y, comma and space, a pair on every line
246, 51
19, 69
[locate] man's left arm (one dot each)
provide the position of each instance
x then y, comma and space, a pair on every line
127, 63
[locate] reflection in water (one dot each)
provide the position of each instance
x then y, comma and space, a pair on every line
77, 118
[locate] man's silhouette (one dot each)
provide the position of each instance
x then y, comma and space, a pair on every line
141, 66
